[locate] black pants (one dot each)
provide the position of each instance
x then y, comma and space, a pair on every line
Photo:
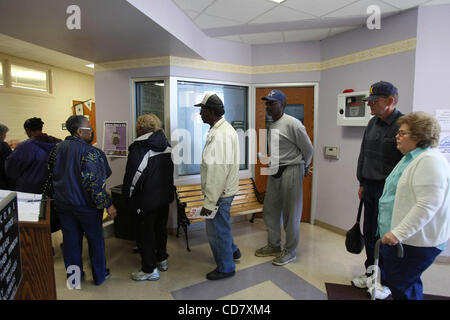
152, 237
371, 194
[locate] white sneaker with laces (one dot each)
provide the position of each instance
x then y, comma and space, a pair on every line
360, 282
141, 275
381, 292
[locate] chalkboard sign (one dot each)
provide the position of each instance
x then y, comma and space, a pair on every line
10, 261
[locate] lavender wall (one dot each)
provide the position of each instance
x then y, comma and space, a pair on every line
432, 63
113, 103
337, 200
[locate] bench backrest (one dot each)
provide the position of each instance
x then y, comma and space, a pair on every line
244, 202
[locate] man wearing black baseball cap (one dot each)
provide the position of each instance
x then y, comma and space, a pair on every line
377, 157
284, 193
219, 173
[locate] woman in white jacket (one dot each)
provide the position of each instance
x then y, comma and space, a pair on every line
415, 206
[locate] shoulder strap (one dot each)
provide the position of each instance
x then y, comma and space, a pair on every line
359, 210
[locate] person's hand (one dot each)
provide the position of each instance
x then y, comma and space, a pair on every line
360, 192
112, 212
205, 212
390, 239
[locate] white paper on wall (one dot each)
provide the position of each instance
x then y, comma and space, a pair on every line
443, 117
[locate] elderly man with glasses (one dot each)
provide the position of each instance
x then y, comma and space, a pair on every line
377, 157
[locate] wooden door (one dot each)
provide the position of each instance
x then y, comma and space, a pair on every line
296, 99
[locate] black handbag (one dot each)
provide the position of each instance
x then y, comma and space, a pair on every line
354, 240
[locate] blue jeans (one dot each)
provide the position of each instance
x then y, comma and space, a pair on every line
403, 274
220, 237
73, 225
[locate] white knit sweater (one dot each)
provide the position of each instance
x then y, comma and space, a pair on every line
421, 214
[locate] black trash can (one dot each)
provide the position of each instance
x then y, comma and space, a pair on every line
125, 221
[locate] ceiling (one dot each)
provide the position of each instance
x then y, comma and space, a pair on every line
264, 21
116, 30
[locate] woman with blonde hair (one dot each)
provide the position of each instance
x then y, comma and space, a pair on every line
415, 206
148, 186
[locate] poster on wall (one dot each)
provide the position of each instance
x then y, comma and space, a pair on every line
115, 139
443, 117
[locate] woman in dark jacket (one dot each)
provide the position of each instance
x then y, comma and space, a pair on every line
27, 164
148, 186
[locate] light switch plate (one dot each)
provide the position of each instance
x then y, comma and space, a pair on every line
331, 152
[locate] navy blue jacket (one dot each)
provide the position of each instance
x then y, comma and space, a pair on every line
154, 188
27, 164
79, 176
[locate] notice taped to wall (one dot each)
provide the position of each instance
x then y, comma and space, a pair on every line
443, 117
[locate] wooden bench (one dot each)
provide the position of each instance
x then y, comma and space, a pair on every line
245, 202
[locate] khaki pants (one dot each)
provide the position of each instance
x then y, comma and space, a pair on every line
283, 204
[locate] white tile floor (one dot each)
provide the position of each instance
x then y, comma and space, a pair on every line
321, 258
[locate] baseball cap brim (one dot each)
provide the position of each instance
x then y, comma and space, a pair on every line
269, 99
371, 98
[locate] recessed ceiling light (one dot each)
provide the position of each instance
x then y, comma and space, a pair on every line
278, 1
90, 66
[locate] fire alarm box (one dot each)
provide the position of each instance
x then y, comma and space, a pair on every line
351, 110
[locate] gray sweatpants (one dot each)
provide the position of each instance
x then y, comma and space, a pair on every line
284, 199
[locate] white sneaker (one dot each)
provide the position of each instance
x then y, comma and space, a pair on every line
381, 292
141, 275
360, 282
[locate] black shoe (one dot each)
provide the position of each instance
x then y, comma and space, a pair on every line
216, 275
237, 254
107, 276
136, 250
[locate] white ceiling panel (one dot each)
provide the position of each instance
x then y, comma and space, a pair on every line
205, 21
338, 30
316, 7
306, 35
242, 11
360, 9
191, 14
195, 5
282, 14
405, 4
263, 38
232, 38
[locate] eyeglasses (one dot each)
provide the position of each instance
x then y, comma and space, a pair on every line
403, 133
85, 128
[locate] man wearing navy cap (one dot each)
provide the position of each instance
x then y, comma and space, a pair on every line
377, 157
219, 173
284, 193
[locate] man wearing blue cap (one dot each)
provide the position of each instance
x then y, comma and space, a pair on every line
284, 194
377, 157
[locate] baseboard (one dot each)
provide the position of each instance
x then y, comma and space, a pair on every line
439, 259
330, 227
443, 259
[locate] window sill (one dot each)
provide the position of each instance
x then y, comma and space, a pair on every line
29, 92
